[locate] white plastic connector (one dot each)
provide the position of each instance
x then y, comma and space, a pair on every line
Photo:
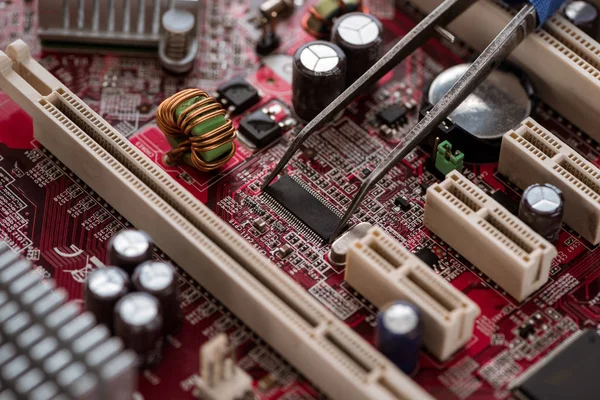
220, 378
530, 154
322, 348
490, 237
382, 270
565, 76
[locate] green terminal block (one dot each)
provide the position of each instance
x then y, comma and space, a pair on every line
445, 160
199, 130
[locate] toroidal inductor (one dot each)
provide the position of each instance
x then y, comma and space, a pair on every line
197, 129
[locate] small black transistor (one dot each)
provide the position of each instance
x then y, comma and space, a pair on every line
402, 202
428, 256
393, 114
239, 94
259, 129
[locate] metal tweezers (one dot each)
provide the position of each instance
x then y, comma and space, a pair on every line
524, 22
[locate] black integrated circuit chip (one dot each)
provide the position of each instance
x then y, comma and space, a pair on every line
570, 374
259, 129
304, 206
427, 256
238, 94
393, 114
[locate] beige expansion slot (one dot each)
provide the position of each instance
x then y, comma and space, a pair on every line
324, 349
491, 238
382, 270
530, 154
562, 61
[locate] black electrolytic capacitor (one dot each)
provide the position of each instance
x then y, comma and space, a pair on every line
399, 335
583, 15
542, 208
129, 248
159, 279
139, 323
360, 36
318, 77
103, 288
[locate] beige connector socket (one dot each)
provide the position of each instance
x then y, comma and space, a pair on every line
530, 154
220, 378
382, 270
491, 238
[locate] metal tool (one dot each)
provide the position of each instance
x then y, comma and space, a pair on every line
507, 40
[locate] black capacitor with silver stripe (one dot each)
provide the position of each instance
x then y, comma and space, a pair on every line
103, 288
360, 36
318, 77
129, 248
139, 323
542, 207
41, 359
159, 279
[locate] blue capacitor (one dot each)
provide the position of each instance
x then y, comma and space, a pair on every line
399, 333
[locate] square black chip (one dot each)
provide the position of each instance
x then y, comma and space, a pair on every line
238, 94
571, 373
259, 129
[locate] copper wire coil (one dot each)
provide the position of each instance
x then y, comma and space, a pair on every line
197, 113
313, 12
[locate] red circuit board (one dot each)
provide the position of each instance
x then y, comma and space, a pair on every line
56, 221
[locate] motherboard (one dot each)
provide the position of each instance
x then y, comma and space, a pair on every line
53, 218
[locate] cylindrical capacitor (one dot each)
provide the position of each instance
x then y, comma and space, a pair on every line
542, 208
129, 248
360, 36
158, 278
139, 323
318, 77
398, 335
583, 15
103, 288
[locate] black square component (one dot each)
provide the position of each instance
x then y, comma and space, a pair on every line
239, 94
570, 374
259, 129
393, 114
